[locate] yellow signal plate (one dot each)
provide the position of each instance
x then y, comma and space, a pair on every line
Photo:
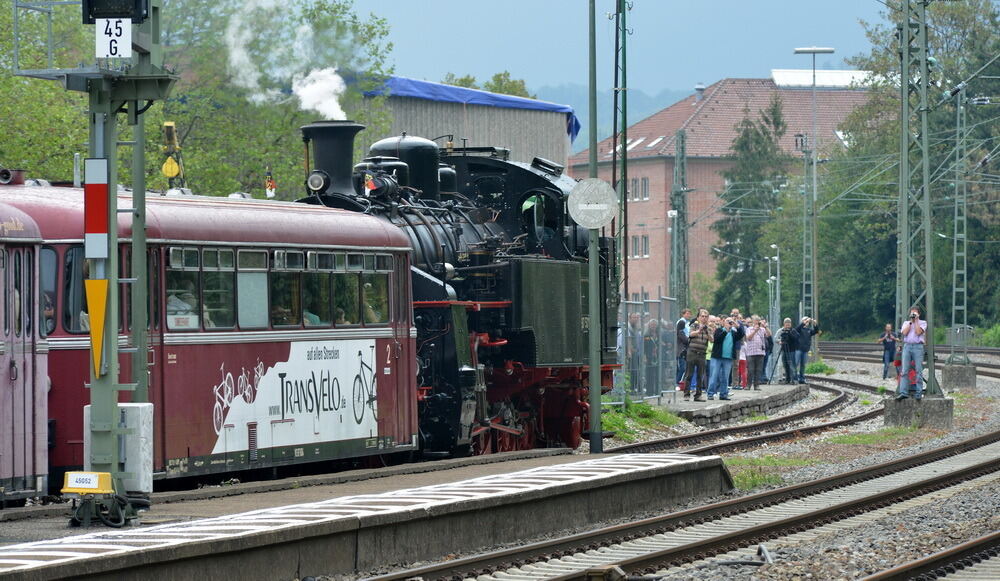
170, 167
88, 483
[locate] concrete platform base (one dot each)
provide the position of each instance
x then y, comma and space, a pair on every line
742, 403
929, 412
352, 534
955, 377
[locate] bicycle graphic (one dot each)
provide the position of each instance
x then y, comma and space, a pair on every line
364, 392
229, 388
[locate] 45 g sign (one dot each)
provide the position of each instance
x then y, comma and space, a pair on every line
114, 38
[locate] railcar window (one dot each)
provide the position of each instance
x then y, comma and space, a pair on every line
317, 311
288, 260
346, 309
383, 262
286, 293
125, 291
320, 261
153, 290
28, 291
376, 297
220, 288
183, 300
355, 261
17, 293
251, 288
75, 316
47, 278
6, 293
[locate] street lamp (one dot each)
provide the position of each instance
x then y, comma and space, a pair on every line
811, 299
777, 284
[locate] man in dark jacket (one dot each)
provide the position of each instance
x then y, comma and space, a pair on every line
724, 351
806, 329
698, 339
788, 342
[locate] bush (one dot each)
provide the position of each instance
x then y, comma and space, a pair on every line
819, 367
990, 337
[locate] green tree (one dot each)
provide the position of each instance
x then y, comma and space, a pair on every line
499, 83
857, 233
503, 84
43, 124
467, 81
758, 167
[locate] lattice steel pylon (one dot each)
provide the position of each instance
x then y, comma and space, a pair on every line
808, 241
959, 281
914, 278
621, 143
679, 241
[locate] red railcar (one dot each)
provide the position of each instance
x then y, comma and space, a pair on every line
279, 333
23, 369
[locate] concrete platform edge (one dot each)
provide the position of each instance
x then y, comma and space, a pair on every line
50, 510
359, 544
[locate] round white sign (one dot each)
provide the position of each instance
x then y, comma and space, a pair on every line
593, 203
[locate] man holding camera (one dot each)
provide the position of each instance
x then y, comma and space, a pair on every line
914, 332
806, 329
788, 340
724, 350
699, 335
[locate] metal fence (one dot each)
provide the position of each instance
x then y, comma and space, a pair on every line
647, 348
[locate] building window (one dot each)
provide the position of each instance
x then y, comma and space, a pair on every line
635, 247
645, 246
634, 190
645, 188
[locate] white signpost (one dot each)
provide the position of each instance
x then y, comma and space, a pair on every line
593, 204
114, 38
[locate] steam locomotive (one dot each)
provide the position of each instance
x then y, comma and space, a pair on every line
499, 284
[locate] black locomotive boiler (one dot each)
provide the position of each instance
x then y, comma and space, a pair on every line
499, 284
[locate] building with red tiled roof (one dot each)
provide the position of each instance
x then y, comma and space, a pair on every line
709, 118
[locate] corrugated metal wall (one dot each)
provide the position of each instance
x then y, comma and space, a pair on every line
525, 132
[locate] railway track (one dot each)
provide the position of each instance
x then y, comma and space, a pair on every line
855, 347
654, 544
763, 431
978, 559
981, 368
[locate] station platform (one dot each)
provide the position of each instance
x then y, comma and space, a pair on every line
742, 403
360, 525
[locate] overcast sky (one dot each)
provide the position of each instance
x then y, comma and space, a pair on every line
674, 43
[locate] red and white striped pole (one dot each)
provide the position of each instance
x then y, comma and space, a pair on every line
95, 209
96, 218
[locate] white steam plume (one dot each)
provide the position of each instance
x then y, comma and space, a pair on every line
320, 91
239, 32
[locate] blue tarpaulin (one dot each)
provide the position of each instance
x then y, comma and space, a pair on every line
404, 87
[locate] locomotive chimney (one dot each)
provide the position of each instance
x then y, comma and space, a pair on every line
333, 151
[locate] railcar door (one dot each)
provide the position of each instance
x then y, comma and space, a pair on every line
20, 448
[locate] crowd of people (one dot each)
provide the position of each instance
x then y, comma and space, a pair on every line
716, 353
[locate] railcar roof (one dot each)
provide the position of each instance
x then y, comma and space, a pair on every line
59, 214
17, 226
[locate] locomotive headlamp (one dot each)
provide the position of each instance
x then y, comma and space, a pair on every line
135, 10
318, 181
